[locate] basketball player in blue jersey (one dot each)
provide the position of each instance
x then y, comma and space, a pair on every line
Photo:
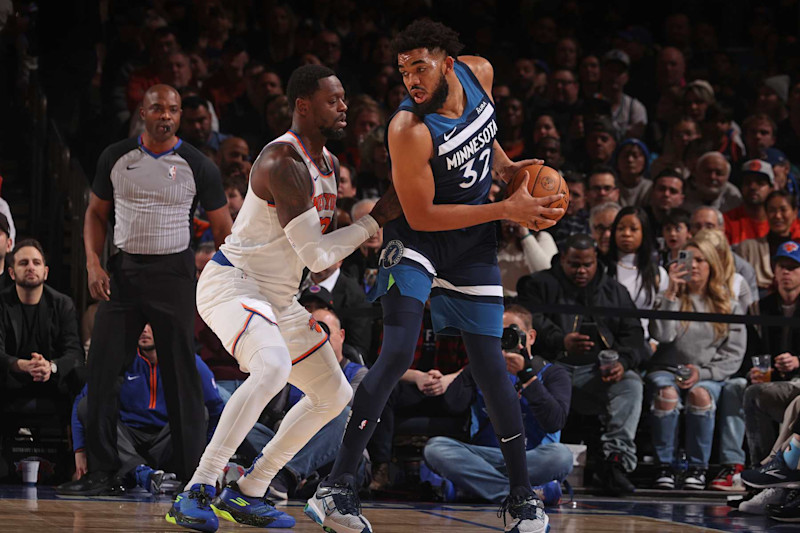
247, 296
443, 151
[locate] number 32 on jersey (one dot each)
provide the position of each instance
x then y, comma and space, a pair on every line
471, 174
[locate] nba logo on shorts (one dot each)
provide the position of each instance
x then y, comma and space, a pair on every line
173, 171
363, 424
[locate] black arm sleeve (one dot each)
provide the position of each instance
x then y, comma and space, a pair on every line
549, 400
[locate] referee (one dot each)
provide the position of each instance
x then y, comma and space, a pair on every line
153, 184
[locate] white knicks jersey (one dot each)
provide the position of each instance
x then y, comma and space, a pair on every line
257, 243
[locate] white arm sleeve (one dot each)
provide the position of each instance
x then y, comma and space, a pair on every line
318, 251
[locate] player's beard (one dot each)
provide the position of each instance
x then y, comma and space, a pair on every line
437, 100
333, 134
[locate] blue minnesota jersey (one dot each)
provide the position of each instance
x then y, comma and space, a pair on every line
462, 147
457, 269
462, 170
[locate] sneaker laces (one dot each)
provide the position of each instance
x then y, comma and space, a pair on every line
346, 499
519, 507
202, 497
696, 472
267, 501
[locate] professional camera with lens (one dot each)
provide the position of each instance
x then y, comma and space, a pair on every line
512, 339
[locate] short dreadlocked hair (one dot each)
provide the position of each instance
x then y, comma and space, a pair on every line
304, 82
425, 33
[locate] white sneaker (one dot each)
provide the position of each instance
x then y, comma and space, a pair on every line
758, 503
696, 480
527, 515
337, 509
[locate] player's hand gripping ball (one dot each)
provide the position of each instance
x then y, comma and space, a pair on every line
543, 181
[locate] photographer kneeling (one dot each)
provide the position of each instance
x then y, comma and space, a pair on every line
477, 469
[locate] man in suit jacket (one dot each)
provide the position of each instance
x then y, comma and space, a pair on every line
41, 357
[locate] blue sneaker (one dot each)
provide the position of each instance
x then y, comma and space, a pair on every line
234, 506
192, 509
440, 484
775, 474
550, 493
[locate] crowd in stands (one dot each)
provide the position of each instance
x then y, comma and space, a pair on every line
680, 144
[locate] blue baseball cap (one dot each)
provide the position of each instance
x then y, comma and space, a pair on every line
789, 249
775, 156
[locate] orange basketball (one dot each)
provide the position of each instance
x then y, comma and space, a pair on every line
543, 181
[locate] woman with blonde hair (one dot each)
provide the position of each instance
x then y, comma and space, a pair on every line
693, 360
731, 419
735, 282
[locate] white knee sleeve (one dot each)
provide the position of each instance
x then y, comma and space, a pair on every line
322, 381
269, 370
327, 392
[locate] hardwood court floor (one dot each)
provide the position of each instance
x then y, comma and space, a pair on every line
37, 509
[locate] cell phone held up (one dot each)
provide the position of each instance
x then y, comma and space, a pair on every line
589, 328
685, 259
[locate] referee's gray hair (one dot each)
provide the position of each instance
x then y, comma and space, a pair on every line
720, 218
602, 208
711, 154
359, 204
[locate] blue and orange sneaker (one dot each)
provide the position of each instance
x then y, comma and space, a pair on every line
192, 509
234, 506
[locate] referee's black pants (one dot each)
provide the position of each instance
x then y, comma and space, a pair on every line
159, 290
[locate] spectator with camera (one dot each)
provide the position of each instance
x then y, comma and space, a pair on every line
475, 468
693, 361
675, 232
577, 277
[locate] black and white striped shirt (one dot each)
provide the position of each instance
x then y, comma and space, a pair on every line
155, 195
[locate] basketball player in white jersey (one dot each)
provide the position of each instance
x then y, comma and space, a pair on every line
246, 294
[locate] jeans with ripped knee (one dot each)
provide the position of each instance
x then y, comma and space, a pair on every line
699, 434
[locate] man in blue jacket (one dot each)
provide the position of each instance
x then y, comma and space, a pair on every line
144, 443
477, 468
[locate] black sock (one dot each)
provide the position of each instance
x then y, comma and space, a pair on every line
502, 403
402, 318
